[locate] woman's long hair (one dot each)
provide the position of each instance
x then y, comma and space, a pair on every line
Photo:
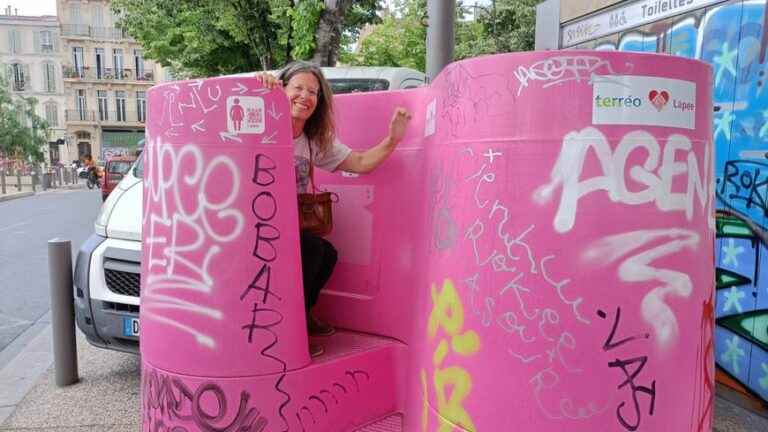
319, 127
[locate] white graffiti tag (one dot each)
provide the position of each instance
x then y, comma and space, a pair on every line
185, 229
567, 173
637, 268
556, 70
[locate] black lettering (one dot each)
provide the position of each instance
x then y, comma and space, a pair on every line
609, 343
630, 380
265, 271
263, 167
266, 234
272, 202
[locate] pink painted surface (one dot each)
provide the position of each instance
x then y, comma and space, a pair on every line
529, 268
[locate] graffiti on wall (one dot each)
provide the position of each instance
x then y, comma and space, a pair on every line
733, 38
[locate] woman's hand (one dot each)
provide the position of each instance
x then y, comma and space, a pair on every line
399, 124
268, 80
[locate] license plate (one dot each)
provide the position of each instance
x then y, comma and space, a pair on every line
130, 326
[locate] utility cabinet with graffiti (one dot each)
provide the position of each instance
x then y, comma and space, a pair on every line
732, 37
535, 255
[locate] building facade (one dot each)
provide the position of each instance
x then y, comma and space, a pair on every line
732, 36
105, 79
30, 61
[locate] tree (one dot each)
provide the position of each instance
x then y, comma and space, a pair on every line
212, 37
400, 40
22, 132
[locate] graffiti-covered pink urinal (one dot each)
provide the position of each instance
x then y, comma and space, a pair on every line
536, 254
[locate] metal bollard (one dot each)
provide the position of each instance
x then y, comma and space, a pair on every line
33, 178
18, 181
62, 312
2, 181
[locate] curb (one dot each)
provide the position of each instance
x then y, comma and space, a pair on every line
15, 196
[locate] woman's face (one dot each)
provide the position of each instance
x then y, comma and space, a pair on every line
303, 91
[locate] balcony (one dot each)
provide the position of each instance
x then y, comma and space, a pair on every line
106, 74
85, 116
20, 86
121, 118
86, 31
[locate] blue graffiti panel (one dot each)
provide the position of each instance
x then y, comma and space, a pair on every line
733, 353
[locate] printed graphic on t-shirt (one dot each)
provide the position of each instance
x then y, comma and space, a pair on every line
302, 174
245, 114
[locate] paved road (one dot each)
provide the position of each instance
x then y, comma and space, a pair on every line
26, 225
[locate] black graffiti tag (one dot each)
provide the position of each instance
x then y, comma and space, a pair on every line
745, 181
631, 368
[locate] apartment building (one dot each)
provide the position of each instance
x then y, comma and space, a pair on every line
30, 61
105, 80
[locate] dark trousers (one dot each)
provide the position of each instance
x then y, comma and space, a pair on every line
318, 258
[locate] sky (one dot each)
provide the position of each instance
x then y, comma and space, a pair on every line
30, 7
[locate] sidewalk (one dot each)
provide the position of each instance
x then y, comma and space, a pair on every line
107, 398
12, 193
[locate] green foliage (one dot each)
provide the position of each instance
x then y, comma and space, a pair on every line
400, 40
304, 19
23, 134
213, 37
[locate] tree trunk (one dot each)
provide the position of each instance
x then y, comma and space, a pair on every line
328, 34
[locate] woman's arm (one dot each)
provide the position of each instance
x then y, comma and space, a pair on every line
367, 161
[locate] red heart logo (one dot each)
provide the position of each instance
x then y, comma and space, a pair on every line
658, 98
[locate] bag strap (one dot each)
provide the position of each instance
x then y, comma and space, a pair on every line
311, 167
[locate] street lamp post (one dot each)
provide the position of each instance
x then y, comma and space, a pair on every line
440, 35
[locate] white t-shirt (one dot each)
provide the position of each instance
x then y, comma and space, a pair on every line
328, 161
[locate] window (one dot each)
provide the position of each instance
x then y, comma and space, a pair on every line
101, 97
141, 106
14, 41
80, 103
100, 63
46, 41
18, 76
52, 114
98, 16
138, 59
120, 105
354, 85
49, 77
74, 14
78, 60
117, 58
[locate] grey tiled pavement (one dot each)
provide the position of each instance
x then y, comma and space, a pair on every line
107, 397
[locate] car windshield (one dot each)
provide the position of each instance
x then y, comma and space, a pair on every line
119, 167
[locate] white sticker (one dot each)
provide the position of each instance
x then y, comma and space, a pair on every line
643, 100
245, 114
429, 125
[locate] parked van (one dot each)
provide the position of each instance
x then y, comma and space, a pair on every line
107, 270
365, 79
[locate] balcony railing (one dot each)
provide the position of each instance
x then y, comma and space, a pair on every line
79, 30
20, 85
105, 74
80, 116
121, 117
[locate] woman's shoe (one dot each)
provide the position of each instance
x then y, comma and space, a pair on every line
315, 327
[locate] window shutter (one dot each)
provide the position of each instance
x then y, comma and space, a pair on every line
27, 78
36, 36
8, 73
11, 41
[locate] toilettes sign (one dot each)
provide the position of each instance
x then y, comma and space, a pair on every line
632, 15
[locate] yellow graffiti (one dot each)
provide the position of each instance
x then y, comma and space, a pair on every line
448, 313
452, 408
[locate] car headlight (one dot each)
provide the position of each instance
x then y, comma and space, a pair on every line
100, 225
